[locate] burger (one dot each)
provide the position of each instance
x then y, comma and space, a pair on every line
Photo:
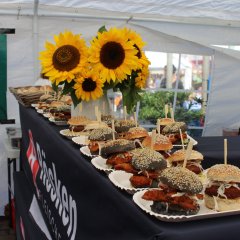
223, 190
137, 133
61, 113
173, 132
177, 192
122, 126
193, 163
164, 122
116, 146
77, 124
148, 164
162, 144
99, 136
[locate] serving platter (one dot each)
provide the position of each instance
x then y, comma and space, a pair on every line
121, 179
100, 163
204, 212
59, 123
86, 151
81, 140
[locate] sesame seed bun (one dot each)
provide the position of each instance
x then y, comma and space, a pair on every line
101, 134
224, 173
124, 125
136, 133
116, 146
148, 159
179, 155
174, 128
78, 121
221, 204
166, 121
181, 179
162, 143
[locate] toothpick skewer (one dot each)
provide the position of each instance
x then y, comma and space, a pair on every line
113, 129
188, 153
158, 126
225, 151
125, 112
135, 119
153, 139
166, 110
172, 114
180, 131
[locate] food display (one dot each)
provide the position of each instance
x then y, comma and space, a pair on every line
223, 190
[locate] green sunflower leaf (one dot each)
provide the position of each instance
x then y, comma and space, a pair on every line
75, 100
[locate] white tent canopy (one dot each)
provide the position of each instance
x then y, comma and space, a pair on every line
177, 26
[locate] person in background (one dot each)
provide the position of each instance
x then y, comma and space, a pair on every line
174, 79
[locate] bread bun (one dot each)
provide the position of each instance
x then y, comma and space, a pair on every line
46, 88
166, 121
116, 146
172, 209
44, 97
174, 128
148, 159
224, 173
179, 155
221, 204
181, 179
94, 124
32, 89
80, 120
56, 104
162, 143
136, 133
124, 125
101, 134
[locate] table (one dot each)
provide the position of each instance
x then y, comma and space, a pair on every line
12, 155
79, 202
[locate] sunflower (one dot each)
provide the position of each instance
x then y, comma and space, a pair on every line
142, 75
62, 60
88, 86
113, 55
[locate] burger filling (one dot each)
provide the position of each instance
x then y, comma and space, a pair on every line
192, 165
173, 199
223, 190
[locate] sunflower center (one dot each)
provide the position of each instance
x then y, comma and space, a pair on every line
139, 54
112, 55
89, 85
66, 58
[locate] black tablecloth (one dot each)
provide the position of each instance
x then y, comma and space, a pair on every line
103, 211
23, 198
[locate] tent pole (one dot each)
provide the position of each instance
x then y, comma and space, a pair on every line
35, 40
177, 81
169, 71
205, 76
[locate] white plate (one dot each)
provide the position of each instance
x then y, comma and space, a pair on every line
121, 180
47, 115
86, 151
34, 105
100, 163
81, 140
204, 212
40, 111
69, 134
59, 123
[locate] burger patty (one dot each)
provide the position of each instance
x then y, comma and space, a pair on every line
189, 166
231, 193
165, 195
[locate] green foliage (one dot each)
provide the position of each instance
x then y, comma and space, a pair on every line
152, 107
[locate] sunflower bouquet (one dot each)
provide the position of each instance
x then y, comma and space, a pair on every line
114, 60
